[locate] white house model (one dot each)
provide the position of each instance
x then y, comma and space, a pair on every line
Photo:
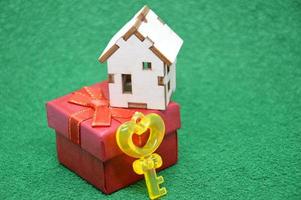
141, 60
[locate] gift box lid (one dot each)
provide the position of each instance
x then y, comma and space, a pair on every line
100, 141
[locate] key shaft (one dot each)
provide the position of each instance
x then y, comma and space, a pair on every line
153, 184
148, 166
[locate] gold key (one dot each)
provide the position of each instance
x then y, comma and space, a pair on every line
148, 161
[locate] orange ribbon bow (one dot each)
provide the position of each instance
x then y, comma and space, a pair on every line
98, 108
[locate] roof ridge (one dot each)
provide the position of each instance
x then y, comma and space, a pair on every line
143, 20
139, 19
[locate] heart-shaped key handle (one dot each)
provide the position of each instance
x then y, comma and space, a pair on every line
139, 124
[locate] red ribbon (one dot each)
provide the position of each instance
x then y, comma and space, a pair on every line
97, 108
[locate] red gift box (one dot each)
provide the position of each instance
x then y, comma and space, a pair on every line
93, 153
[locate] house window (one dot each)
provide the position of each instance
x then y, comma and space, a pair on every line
111, 78
146, 65
127, 83
160, 80
168, 68
168, 85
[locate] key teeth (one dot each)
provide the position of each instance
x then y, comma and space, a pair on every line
160, 179
163, 191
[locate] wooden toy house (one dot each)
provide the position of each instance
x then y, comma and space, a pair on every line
141, 61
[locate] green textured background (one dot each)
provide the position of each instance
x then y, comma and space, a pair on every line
238, 83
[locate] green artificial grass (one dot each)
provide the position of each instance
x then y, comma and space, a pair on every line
238, 83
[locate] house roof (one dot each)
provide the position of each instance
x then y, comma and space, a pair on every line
146, 24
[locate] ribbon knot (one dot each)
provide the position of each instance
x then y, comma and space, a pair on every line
97, 108
98, 102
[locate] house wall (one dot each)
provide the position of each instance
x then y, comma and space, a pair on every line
145, 89
170, 77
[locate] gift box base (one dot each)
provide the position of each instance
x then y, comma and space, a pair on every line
114, 174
